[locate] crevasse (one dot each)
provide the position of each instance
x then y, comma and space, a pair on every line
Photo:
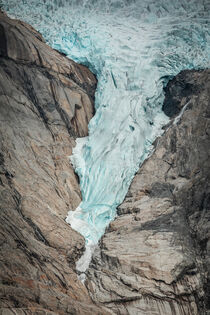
133, 47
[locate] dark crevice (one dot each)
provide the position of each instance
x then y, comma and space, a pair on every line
33, 97
63, 115
39, 236
3, 42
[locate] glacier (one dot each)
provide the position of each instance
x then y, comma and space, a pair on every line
133, 47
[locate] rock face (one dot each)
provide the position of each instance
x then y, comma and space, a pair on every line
46, 101
154, 258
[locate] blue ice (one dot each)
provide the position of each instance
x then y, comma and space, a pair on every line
133, 47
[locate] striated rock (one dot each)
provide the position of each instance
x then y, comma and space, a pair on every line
154, 258
46, 100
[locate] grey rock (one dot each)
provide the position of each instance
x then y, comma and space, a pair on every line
155, 256
46, 101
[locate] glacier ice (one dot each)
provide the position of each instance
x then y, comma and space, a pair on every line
133, 47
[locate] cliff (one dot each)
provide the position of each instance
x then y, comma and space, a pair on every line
154, 258
46, 101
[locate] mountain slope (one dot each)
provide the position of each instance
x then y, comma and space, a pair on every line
46, 101
154, 258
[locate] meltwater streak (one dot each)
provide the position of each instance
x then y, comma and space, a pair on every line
133, 47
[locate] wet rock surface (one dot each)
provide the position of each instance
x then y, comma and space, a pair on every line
154, 258
46, 101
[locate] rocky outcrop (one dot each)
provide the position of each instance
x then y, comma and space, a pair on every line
154, 258
46, 101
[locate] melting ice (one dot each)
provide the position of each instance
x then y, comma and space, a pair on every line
133, 47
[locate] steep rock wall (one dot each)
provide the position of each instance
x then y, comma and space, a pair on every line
154, 258
46, 101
